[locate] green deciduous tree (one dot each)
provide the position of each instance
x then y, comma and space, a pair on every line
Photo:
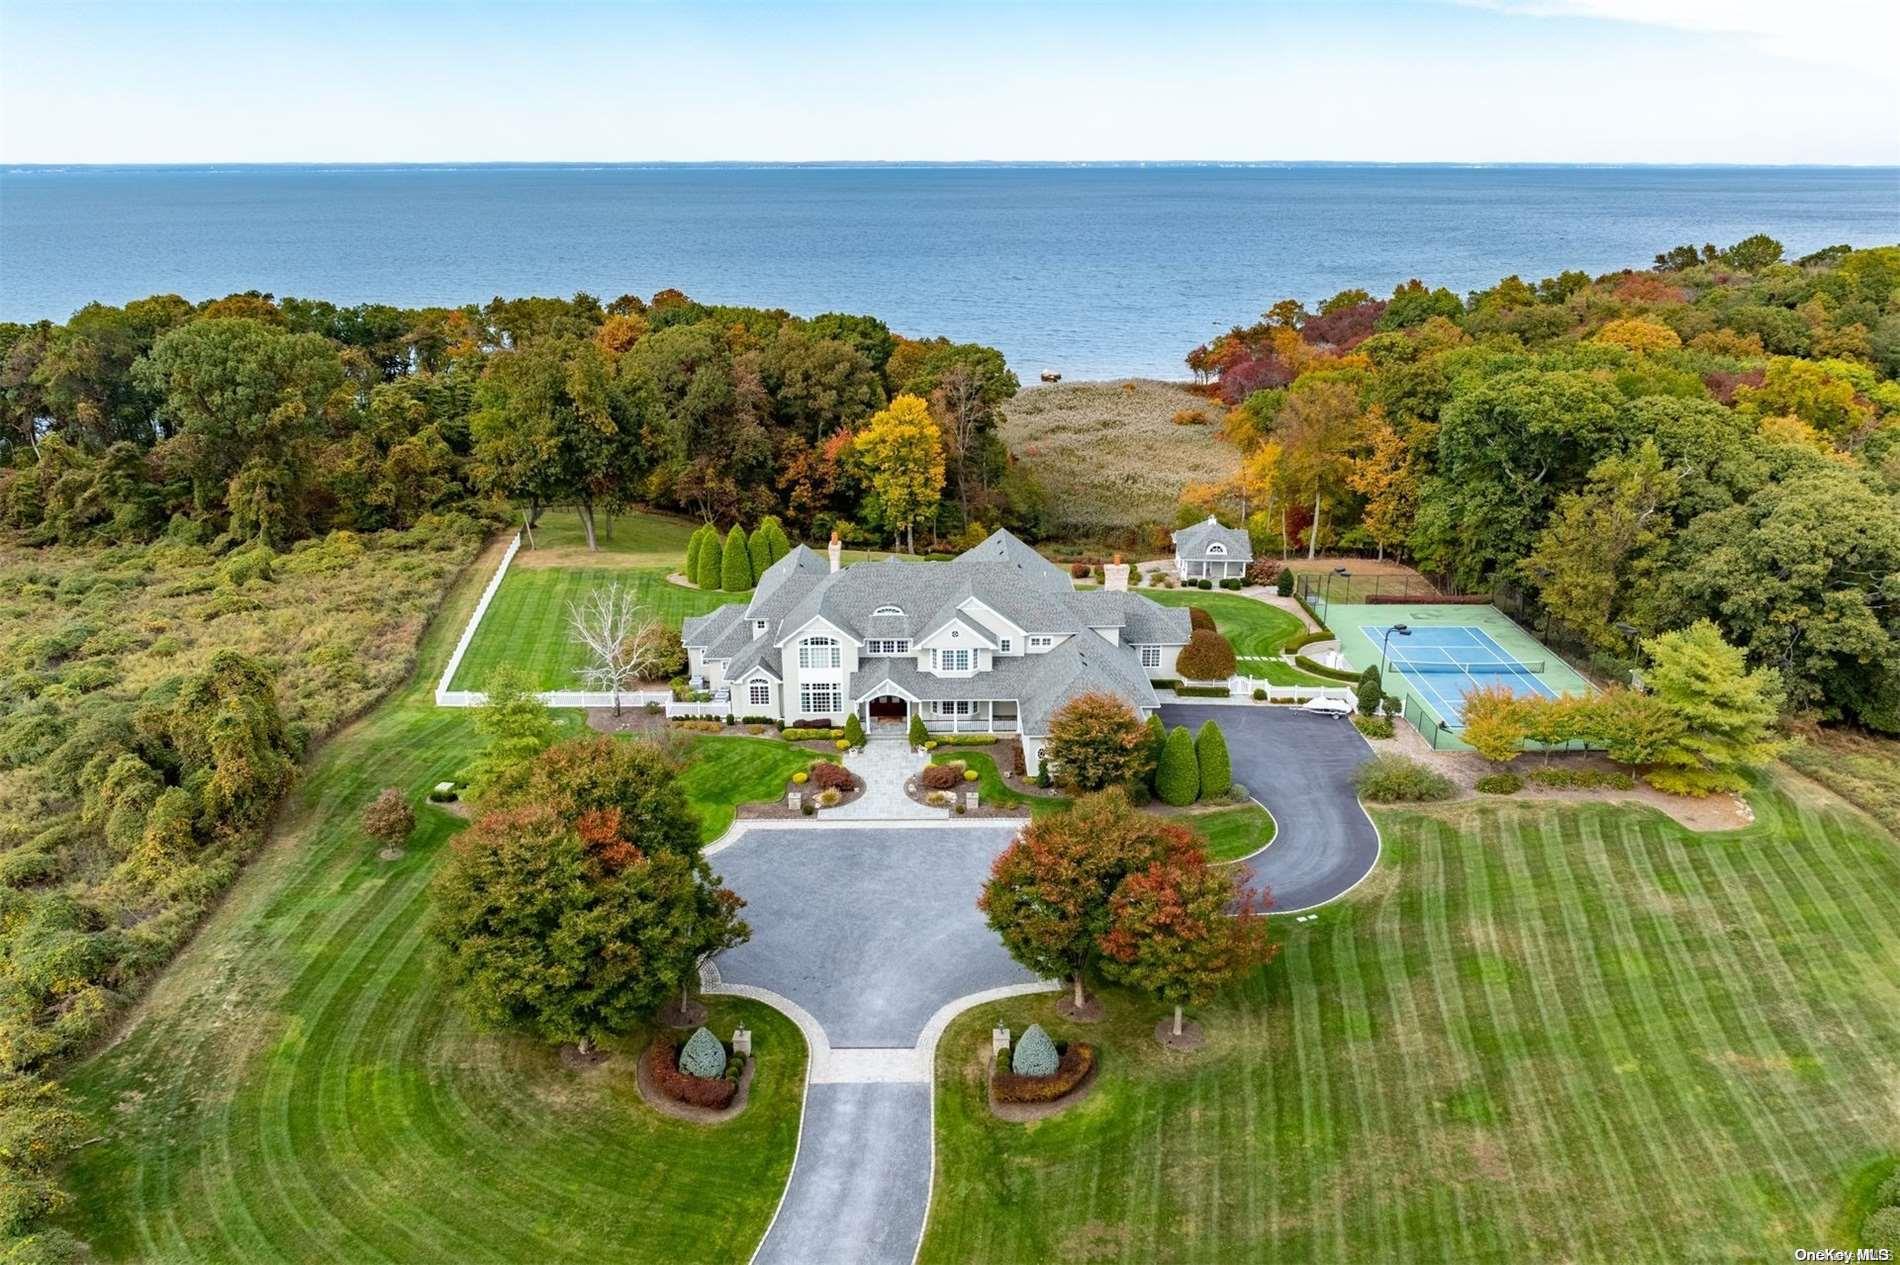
517, 725
1727, 713
1600, 540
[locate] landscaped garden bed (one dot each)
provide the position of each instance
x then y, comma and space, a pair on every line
1040, 1078
700, 1079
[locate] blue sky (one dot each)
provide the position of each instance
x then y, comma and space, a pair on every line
1431, 80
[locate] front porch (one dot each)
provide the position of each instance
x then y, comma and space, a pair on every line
889, 712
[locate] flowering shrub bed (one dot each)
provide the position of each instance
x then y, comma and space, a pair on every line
1078, 1059
827, 776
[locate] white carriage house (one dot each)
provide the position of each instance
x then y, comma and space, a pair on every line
995, 640
1212, 552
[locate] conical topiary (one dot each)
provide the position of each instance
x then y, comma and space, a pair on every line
706, 561
694, 543
759, 548
777, 542
1157, 740
1035, 1054
703, 1056
919, 735
1210, 752
735, 564
1178, 781
854, 730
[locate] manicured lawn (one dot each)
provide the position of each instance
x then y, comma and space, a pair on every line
298, 1088
1536, 1033
728, 771
1231, 833
1255, 629
639, 539
527, 623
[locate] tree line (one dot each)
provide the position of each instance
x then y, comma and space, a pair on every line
1715, 437
274, 420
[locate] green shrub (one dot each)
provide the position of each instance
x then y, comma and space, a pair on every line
1881, 1228
1217, 771
1204, 583
1316, 668
703, 1056
1499, 784
853, 730
1076, 1061
1395, 779
1200, 691
1231, 584
1284, 585
1035, 1054
1368, 693
918, 734
1373, 726
759, 551
1259, 695
1178, 780
968, 740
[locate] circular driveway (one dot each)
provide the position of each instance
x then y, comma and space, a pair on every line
871, 929
1299, 764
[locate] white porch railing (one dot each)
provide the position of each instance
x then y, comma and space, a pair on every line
970, 725
714, 710
1244, 686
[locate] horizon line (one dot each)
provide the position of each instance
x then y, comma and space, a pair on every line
849, 163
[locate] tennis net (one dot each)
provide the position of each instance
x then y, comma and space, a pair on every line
1476, 667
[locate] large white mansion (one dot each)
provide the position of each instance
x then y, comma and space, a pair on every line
996, 639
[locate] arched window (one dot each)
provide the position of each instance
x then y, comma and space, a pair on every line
888, 610
1217, 548
818, 652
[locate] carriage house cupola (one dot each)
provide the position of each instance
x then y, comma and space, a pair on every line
995, 640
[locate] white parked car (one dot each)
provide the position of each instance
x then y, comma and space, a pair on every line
1329, 706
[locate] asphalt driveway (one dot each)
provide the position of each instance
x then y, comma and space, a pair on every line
1299, 764
872, 930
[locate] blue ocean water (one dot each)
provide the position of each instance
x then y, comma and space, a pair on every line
1095, 271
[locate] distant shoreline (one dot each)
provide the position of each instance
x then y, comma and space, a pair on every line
902, 164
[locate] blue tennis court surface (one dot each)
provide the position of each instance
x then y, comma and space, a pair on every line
1442, 664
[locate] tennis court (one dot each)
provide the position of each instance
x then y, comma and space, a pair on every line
1444, 664
1451, 648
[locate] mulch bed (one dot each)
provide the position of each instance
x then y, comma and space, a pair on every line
573, 1059
673, 1015
678, 1110
1090, 1011
1191, 1039
1030, 1112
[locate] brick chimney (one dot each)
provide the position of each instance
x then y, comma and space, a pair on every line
1115, 576
836, 551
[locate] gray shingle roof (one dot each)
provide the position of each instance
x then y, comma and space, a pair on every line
1191, 543
1040, 683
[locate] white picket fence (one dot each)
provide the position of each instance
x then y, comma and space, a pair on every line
1244, 686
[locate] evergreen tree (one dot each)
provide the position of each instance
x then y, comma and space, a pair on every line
696, 553
1157, 742
735, 564
918, 734
759, 550
778, 544
1217, 771
1178, 781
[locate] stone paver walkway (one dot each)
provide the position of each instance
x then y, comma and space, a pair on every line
885, 763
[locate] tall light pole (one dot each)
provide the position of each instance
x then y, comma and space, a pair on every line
1327, 592
1385, 641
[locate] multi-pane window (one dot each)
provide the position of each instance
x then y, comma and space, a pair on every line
889, 646
1003, 646
818, 698
1151, 656
761, 694
953, 660
1041, 643
957, 707
818, 652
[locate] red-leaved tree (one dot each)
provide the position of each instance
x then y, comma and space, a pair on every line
1182, 930
1049, 893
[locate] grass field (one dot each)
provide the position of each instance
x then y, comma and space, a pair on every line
1575, 1033
297, 1088
1232, 833
1257, 631
527, 623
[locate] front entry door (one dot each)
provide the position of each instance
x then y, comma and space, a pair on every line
887, 708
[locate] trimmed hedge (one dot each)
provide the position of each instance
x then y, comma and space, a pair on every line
969, 740
1200, 691
1178, 780
1310, 612
662, 1068
1232, 584
1317, 668
1076, 1062
807, 735
1199, 618
1293, 644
